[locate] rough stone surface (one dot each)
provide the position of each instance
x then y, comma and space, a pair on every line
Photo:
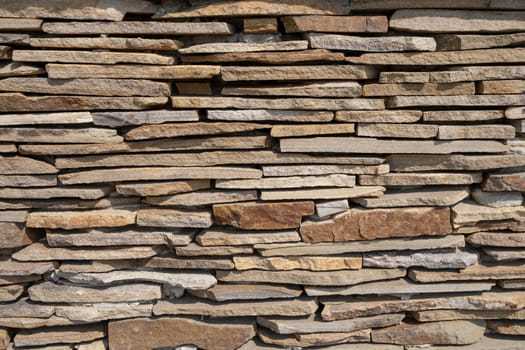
60, 335
330, 89
372, 44
225, 237
173, 218
232, 292
298, 263
435, 259
432, 196
337, 72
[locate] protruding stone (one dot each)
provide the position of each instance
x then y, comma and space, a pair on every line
13, 69
335, 24
291, 57
371, 44
222, 237
470, 212
455, 101
271, 115
312, 263
173, 218
305, 170
430, 259
45, 118
454, 132
11, 293
419, 89
290, 45
328, 208
22, 165
20, 24
233, 292
505, 182
461, 115
497, 199
193, 249
16, 268
515, 113
91, 313
323, 193
203, 198
54, 192
469, 42
59, 335
90, 57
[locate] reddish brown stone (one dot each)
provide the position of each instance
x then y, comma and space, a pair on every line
13, 235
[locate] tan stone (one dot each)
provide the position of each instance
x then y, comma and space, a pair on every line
512, 284
20, 24
418, 179
59, 335
190, 306
471, 273
202, 198
95, 345
323, 193
474, 73
123, 71
5, 52
462, 115
305, 170
459, 101
34, 322
471, 212
453, 132
442, 21
335, 24
168, 173
371, 44
446, 332
139, 44
497, 239
432, 196
386, 116
11, 293
15, 268
515, 113
505, 182
416, 131
501, 87
70, 204
291, 57
139, 28
314, 339
504, 255
54, 192
15, 216
7, 148
486, 343
311, 129
225, 237
15, 235
94, 87
92, 313
205, 335
45, 118
497, 199
507, 327
360, 5
358, 224
404, 77
44, 135
290, 45
451, 315
24, 308
336, 72
262, 216
410, 163
13, 69
407, 89
312, 263
162, 188
336, 180
325, 89
116, 119
21, 165
309, 278
260, 25
193, 249
166, 262
87, 219
260, 8
42, 252
469, 42
233, 292
173, 218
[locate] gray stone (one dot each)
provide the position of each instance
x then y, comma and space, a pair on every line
430, 259
497, 199
434, 196
371, 44
328, 208
245, 47
101, 312
324, 89
271, 115
117, 119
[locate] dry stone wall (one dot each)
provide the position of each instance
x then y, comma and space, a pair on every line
262, 174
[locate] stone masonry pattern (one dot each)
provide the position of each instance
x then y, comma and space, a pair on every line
262, 174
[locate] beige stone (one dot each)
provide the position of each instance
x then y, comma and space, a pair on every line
461, 115
45, 118
404, 77
334, 180
20, 24
504, 255
87, 219
262, 216
54, 192
291, 57
123, 71
14, 38
291, 45
225, 237
311, 129
15, 268
515, 113
408, 89
314, 339
15, 216
335, 24
323, 193
497, 239
335, 72
59, 335
453, 132
502, 87
37, 322
486, 343
173, 218
13, 69
435, 259
416, 131
451, 315
70, 204
11, 293
420, 179
386, 116
371, 44
471, 212
433, 196
24, 308
309, 278
325, 89
469, 42
116, 119
22, 165
138, 44
507, 327
223, 336
44, 135
305, 170
92, 313
163, 188
42, 252
497, 199
7, 148
235, 292
459, 101
471, 273
16, 235
475, 73
410, 163
312, 263
89, 57
361, 5
203, 198
193, 249
260, 25
190, 306
505, 182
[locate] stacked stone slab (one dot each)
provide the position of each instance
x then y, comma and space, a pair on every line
262, 174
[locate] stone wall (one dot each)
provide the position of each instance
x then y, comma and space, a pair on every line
262, 174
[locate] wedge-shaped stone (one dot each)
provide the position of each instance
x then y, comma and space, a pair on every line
371, 44
233, 292
102, 312
138, 44
300, 170
433, 196
416, 131
11, 293
283, 57
414, 179
293, 326
21, 165
386, 116
89, 57
453, 132
515, 113
262, 216
202, 198
460, 101
315, 339
322, 193
42, 252
335, 180
335, 72
497, 199
446, 332
190, 129
129, 71
471, 273
311, 278
328, 89
190, 306
400, 287
430, 259
169, 173
225, 237
16, 235
45, 118
505, 182
139, 28
443, 21
299, 249
109, 237
44, 135
469, 42
20, 24
94, 87
15, 102
271, 115
193, 249
86, 219
358, 224
409, 163
15, 268
206, 335
173, 218
312, 263
13, 69
483, 56
408, 89
260, 8
335, 24
497, 239
292, 45
375, 146
55, 192
49, 292
117, 119
59, 335
461, 116
163, 188
471, 212
502, 86
360, 5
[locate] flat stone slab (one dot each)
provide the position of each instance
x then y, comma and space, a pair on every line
371, 44
232, 237
89, 57
45, 118
430, 259
334, 72
271, 115
335, 24
67, 335
73, 220
311, 263
138, 44
432, 196
324, 193
234, 292
173, 218
471, 273
324, 89
292, 45
335, 180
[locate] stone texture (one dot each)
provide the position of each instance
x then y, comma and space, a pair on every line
324, 193
190, 306
49, 292
232, 292
45, 118
410, 163
430, 259
291, 45
325, 89
336, 72
501, 86
397, 130
21, 24
87, 135
73, 220
13, 69
371, 44
475, 73
16, 235
504, 255
314, 339
497, 239
497, 199
461, 115
471, 212
208, 335
11, 293
443, 333
443, 21
505, 182
430, 4
163, 188
139, 44
202, 198
173, 218
469, 42
102, 312
311, 263
386, 116
335, 24
515, 113
433, 196
305, 170
358, 224
193, 249
451, 315
54, 192
309, 278
486, 343
226, 237
334, 180
16, 268
260, 25
89, 57
472, 273
292, 57
418, 89
22, 165
326, 208
454, 132
262, 216
315, 129
59, 335
5, 52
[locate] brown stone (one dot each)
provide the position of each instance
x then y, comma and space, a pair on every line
475, 73
451, 315
337, 72
94, 57
260, 25
268, 57
335, 24
16, 268
22, 165
262, 216
335, 180
469, 212
11, 293
501, 87
205, 335
311, 129
59, 335
469, 42
456, 101
288, 45
45, 118
193, 249
315, 339
305, 170
162, 188
507, 327
13, 69
407, 89
420, 179
371, 44
416, 131
188, 88
431, 196
173, 218
227, 237
139, 44
15, 235
505, 182
471, 273
233, 292
386, 116
311, 263
20, 24
497, 239
44, 135
54, 192
358, 224
86, 219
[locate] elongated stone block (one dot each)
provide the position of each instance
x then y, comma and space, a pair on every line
271, 115
45, 118
89, 57
162, 188
335, 24
292, 57
470, 42
453, 132
292, 45
311, 263
232, 292
336, 180
410, 163
505, 182
371, 44
173, 218
337, 72
330, 89
87, 219
461, 115
416, 131
322, 193
138, 44
60, 335
260, 25
16, 235
13, 69
386, 116
224, 237
407, 89
45, 135
433, 196
421, 179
